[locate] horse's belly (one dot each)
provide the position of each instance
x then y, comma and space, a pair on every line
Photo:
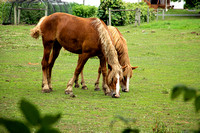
74, 48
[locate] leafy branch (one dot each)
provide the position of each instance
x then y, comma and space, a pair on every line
188, 94
33, 118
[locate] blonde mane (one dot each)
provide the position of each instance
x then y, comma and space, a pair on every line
122, 50
108, 48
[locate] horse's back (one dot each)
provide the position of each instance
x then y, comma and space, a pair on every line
71, 32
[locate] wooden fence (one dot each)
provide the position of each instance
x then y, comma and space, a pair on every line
163, 14
17, 12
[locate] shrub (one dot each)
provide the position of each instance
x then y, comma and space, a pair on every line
26, 16
118, 18
130, 15
29, 16
1, 8
83, 10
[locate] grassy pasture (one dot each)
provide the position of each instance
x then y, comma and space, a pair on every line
167, 53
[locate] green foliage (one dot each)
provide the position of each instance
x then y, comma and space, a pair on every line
83, 10
1, 11
31, 16
130, 15
189, 93
191, 3
33, 117
118, 17
26, 16
123, 17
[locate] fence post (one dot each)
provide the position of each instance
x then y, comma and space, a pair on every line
46, 10
148, 15
15, 14
157, 15
109, 17
136, 19
163, 14
19, 12
139, 16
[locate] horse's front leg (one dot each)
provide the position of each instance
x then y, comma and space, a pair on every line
105, 87
81, 62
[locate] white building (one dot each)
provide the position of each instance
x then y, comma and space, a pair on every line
178, 5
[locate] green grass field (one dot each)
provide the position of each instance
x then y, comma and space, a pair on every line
167, 53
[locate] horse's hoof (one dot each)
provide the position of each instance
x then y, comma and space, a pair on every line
72, 95
97, 89
51, 89
76, 86
68, 92
108, 94
125, 90
84, 88
115, 96
46, 90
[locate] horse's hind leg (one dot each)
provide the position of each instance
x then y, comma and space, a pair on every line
97, 81
84, 87
52, 59
45, 65
81, 62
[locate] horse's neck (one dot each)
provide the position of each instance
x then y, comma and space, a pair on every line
122, 52
107, 45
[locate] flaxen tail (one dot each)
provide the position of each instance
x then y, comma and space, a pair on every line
36, 32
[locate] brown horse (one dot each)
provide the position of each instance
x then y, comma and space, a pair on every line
122, 51
86, 36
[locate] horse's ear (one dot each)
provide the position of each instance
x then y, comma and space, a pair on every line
134, 67
124, 66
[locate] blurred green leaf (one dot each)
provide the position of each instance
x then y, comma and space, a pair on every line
48, 130
48, 120
14, 126
189, 94
129, 130
177, 90
197, 103
30, 112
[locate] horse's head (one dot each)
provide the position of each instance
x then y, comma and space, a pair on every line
114, 78
127, 74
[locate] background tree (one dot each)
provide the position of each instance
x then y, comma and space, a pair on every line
118, 18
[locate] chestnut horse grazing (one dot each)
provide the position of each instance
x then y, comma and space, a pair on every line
86, 36
122, 51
